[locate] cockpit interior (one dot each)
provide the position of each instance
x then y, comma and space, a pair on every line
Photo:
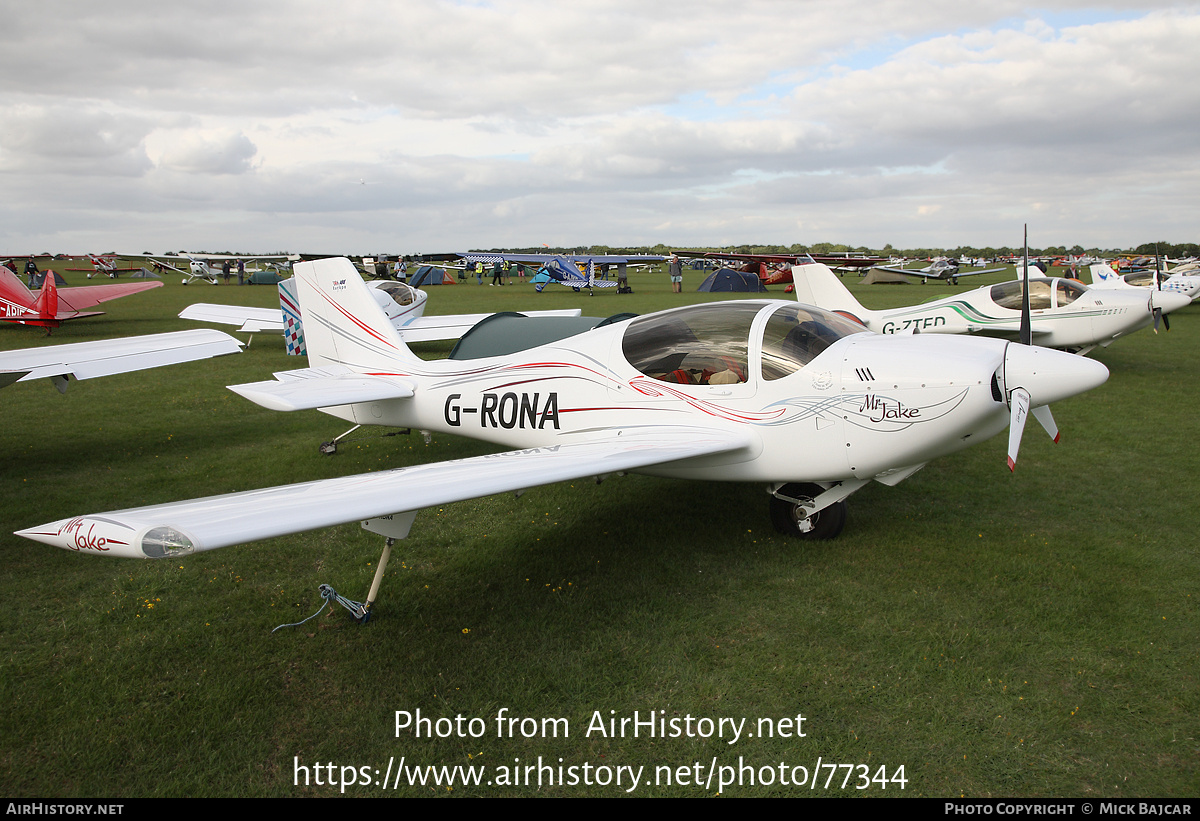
714, 344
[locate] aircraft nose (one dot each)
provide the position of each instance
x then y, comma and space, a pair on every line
1050, 375
1168, 300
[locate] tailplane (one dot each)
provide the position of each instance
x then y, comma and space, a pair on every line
343, 324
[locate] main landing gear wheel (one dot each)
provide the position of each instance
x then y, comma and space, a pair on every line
792, 518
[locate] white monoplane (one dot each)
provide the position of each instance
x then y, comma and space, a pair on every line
1064, 313
794, 397
199, 267
942, 268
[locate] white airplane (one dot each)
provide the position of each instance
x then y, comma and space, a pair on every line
403, 305
1104, 277
88, 360
794, 397
939, 268
200, 269
1064, 313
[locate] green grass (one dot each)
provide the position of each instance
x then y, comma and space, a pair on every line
1031, 634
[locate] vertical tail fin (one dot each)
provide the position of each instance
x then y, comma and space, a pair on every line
293, 327
343, 323
47, 300
817, 285
1103, 274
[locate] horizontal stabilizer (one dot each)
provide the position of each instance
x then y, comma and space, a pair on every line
309, 388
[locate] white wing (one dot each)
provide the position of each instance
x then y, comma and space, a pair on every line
87, 360
248, 319
181, 528
417, 329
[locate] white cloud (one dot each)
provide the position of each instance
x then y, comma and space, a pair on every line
64, 139
209, 154
601, 121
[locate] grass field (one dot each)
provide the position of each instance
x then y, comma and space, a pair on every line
1033, 634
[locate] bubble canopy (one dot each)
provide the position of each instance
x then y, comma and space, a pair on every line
732, 343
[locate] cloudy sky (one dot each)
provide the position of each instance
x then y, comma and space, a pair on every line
429, 125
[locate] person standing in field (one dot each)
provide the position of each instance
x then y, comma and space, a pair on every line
675, 269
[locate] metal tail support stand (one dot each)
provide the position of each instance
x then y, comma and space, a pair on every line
329, 448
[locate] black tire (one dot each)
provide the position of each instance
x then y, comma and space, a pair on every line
788, 520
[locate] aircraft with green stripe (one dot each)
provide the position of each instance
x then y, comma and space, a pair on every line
1064, 313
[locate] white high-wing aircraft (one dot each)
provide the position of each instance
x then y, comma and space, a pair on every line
403, 305
1064, 313
104, 357
939, 268
1103, 276
199, 268
794, 397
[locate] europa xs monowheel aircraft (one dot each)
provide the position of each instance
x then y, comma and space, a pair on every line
791, 396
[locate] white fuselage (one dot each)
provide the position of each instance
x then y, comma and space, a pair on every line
1065, 314
864, 406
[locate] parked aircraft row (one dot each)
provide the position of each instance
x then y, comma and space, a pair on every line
797, 395
199, 266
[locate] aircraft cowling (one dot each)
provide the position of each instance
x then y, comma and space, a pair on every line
1049, 375
897, 413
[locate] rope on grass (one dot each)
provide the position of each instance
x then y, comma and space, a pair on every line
329, 594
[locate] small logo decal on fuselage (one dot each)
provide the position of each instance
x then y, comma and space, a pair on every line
81, 540
881, 410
